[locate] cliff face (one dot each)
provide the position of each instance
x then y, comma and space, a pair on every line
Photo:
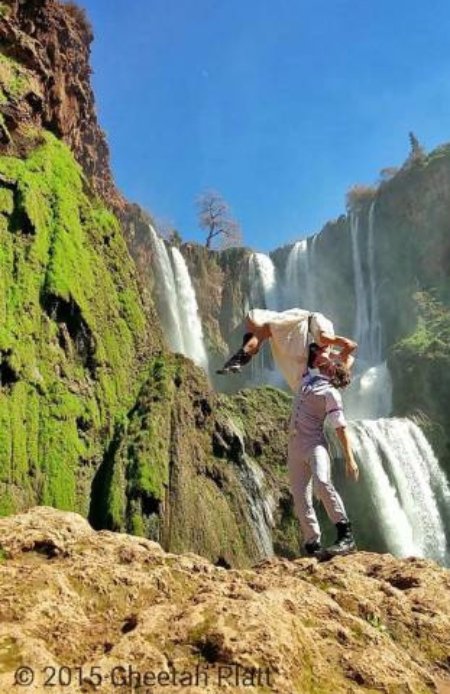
73, 332
95, 415
75, 598
192, 469
50, 43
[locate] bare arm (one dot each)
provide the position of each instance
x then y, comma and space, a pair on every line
351, 468
344, 343
347, 347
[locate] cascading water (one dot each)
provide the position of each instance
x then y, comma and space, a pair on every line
375, 332
362, 323
298, 288
177, 303
296, 274
263, 281
166, 294
264, 293
370, 395
191, 325
404, 485
260, 501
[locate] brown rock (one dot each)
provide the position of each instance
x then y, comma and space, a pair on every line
52, 40
109, 600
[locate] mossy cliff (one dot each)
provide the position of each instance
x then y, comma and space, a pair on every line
95, 415
73, 335
181, 468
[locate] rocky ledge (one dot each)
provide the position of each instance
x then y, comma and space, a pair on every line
102, 611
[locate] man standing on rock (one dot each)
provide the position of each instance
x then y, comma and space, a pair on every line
309, 463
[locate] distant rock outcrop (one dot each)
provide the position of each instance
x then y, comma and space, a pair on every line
101, 607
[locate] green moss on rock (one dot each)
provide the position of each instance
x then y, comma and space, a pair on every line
174, 471
72, 330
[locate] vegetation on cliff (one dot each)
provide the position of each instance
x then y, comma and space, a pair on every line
181, 465
72, 329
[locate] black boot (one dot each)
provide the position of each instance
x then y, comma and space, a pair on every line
235, 363
345, 542
312, 548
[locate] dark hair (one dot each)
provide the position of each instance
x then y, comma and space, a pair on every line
314, 349
341, 377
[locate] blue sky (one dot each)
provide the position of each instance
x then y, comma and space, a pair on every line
280, 106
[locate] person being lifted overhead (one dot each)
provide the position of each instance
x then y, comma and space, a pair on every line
290, 333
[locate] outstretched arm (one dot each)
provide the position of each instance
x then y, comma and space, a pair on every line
351, 467
347, 346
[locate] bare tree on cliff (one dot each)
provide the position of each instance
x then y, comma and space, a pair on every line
214, 216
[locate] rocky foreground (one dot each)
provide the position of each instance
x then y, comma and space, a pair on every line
102, 611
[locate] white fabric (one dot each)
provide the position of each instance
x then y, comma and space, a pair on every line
289, 341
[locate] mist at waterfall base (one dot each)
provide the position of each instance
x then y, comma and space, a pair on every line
401, 503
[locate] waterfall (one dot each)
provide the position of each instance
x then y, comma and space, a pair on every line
260, 500
263, 281
296, 274
177, 303
299, 277
261, 504
370, 395
264, 293
404, 485
191, 325
375, 322
312, 293
166, 295
362, 324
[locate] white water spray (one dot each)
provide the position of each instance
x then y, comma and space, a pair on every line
166, 293
191, 325
362, 324
405, 484
296, 275
263, 276
370, 395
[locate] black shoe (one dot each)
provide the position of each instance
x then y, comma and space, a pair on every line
235, 363
345, 542
312, 548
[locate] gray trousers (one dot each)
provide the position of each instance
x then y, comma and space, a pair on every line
307, 472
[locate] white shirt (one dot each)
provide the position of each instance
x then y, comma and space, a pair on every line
290, 338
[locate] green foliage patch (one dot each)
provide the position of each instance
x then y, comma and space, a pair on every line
71, 328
